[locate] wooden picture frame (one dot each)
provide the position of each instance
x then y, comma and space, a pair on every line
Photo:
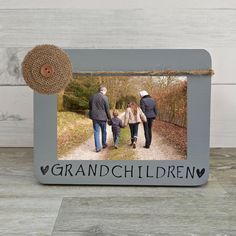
193, 63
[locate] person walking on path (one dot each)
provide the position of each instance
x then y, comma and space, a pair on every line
134, 116
116, 125
149, 108
99, 112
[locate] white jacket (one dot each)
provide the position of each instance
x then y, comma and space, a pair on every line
130, 118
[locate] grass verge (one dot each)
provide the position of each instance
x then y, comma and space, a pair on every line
72, 130
124, 151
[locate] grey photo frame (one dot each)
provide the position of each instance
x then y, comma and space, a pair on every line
191, 172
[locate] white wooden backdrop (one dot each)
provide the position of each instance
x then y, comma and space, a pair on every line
209, 24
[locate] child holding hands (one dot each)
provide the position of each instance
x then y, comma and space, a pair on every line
116, 125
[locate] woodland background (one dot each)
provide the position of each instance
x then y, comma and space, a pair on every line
170, 94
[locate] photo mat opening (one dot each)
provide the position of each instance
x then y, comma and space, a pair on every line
75, 129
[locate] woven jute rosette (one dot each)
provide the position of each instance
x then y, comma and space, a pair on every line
47, 69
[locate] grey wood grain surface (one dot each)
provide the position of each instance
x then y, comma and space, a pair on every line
189, 215
28, 208
16, 116
10, 66
223, 116
142, 24
112, 4
123, 28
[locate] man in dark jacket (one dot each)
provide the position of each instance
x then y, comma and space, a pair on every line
99, 112
149, 108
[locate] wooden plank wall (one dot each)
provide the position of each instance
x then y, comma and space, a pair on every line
116, 24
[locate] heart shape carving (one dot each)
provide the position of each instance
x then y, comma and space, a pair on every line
201, 172
44, 170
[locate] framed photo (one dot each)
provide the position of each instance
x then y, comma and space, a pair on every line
128, 117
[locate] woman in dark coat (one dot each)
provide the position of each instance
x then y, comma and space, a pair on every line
149, 108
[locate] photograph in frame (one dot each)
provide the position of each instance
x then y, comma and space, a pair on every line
116, 117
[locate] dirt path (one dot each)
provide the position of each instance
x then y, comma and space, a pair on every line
86, 151
159, 150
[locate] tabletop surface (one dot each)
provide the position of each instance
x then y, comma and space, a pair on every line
28, 208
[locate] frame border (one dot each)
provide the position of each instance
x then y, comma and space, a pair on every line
191, 172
